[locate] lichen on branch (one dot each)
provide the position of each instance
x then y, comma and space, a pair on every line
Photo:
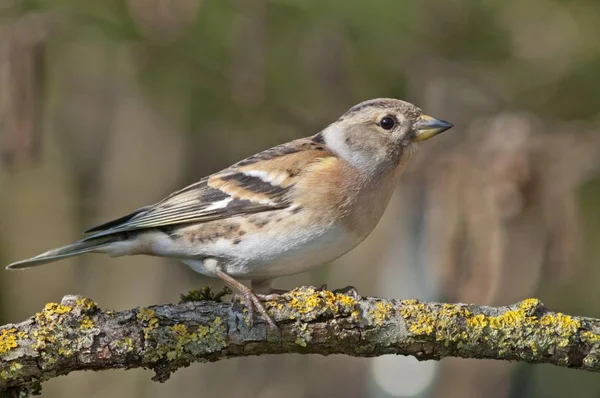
76, 334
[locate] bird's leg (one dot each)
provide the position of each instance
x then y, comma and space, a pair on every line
252, 301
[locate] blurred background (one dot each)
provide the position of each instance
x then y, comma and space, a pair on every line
109, 105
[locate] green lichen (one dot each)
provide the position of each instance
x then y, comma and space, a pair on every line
123, 346
205, 293
179, 342
13, 371
303, 334
146, 314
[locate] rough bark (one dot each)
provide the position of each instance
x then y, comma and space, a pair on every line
77, 335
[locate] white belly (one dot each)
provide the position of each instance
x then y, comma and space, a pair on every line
271, 255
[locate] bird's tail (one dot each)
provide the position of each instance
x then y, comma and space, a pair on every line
75, 249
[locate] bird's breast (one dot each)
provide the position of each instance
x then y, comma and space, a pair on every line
331, 214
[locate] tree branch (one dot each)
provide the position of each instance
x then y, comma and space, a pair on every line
77, 335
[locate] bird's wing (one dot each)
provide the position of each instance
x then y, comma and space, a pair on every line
256, 184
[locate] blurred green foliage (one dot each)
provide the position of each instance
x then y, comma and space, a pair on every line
511, 45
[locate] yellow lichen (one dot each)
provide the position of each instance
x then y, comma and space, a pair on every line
523, 320
561, 321
521, 317
303, 334
62, 309
533, 347
64, 351
349, 303
447, 330
590, 337
345, 300
15, 367
86, 323
530, 304
381, 312
51, 313
86, 304
8, 340
307, 300
478, 321
148, 317
309, 303
512, 331
203, 331
128, 344
419, 318
179, 329
145, 314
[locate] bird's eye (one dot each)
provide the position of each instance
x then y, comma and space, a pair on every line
387, 123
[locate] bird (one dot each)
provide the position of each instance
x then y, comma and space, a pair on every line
279, 212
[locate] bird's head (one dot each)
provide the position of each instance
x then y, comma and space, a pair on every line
378, 134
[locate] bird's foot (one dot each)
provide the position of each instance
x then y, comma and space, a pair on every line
349, 291
252, 301
254, 304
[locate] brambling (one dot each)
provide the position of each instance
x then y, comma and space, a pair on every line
279, 212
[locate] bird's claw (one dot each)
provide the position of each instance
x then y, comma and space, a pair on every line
253, 304
349, 291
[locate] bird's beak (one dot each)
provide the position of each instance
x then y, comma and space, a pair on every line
427, 126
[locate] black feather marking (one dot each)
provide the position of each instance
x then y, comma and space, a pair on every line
117, 221
318, 138
213, 195
255, 184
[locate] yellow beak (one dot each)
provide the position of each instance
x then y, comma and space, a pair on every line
427, 126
